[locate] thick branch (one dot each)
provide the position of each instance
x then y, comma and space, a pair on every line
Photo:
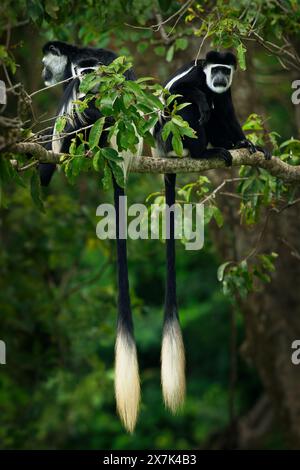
275, 166
37, 151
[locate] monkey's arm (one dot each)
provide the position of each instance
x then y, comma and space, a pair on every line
225, 130
193, 95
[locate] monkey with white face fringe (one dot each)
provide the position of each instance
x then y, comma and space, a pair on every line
61, 62
206, 86
68, 63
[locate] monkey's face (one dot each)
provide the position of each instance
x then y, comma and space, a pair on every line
218, 77
54, 66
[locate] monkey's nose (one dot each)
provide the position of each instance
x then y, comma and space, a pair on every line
46, 75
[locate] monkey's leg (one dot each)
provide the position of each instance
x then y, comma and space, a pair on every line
127, 383
217, 152
172, 352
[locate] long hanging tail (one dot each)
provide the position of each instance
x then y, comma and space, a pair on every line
127, 382
172, 352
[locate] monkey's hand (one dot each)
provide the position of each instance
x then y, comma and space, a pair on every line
218, 152
224, 155
245, 143
266, 152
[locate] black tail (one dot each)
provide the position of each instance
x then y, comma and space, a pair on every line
172, 352
46, 171
127, 383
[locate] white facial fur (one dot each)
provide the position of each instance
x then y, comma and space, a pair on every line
210, 80
56, 65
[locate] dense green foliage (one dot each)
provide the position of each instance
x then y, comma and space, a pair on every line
58, 281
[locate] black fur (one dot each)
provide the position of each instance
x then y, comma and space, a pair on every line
170, 293
226, 58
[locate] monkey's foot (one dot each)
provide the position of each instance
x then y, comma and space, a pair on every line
253, 148
218, 152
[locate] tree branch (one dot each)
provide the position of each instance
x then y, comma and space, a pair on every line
275, 166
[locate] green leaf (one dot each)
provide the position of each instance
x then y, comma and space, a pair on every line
241, 55
96, 160
177, 145
166, 130
179, 121
78, 164
142, 47
171, 98
127, 100
134, 87
160, 50
118, 173
153, 100
218, 216
106, 104
111, 154
96, 132
107, 178
189, 132
181, 106
150, 123
60, 123
170, 53
144, 79
181, 43
221, 270
89, 82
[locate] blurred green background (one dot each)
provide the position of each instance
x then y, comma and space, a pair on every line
58, 316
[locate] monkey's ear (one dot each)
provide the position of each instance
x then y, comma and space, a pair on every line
54, 50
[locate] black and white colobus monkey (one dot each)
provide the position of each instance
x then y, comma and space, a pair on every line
62, 63
66, 62
206, 86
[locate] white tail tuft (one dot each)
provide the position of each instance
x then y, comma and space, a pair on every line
127, 382
173, 366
